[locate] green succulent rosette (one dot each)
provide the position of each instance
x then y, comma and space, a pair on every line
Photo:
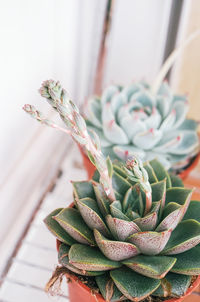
131, 120
132, 253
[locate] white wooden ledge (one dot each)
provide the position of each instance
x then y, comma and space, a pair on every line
36, 257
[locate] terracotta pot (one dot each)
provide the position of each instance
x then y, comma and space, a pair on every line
80, 292
184, 174
90, 168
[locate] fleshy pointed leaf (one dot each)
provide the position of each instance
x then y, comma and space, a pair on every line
102, 199
92, 215
115, 250
109, 93
176, 181
181, 109
83, 189
193, 211
148, 139
116, 211
91, 158
133, 200
97, 132
108, 289
160, 172
72, 222
120, 184
183, 238
161, 157
150, 243
94, 111
129, 119
170, 207
125, 152
138, 195
96, 177
163, 105
148, 222
151, 266
56, 229
173, 285
155, 206
168, 122
118, 167
134, 286
152, 176
153, 121
109, 166
171, 221
180, 142
63, 259
120, 228
117, 101
90, 258
112, 131
159, 192
189, 125
132, 214
179, 195
188, 263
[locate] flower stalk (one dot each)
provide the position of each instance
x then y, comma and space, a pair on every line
76, 127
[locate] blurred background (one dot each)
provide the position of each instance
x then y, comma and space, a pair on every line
86, 45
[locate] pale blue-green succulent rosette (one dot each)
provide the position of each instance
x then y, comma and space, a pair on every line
131, 120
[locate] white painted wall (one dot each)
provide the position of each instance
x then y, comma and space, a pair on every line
137, 40
26, 55
37, 43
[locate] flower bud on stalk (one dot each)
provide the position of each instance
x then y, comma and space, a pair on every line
60, 101
137, 173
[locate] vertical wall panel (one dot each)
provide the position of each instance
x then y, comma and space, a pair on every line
137, 40
26, 58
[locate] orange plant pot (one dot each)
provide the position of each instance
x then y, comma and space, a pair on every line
90, 168
184, 174
80, 292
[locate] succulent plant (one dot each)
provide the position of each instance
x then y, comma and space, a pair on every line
132, 251
133, 120
132, 227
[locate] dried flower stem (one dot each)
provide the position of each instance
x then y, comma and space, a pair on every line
36, 114
60, 101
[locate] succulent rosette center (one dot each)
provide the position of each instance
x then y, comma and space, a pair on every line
132, 121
